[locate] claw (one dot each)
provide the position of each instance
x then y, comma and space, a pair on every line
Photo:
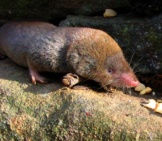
36, 77
70, 80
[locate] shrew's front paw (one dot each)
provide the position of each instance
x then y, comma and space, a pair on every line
70, 80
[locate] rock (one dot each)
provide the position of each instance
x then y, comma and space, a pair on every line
52, 112
146, 7
146, 91
140, 38
140, 87
109, 13
55, 10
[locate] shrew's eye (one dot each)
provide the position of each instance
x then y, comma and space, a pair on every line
111, 70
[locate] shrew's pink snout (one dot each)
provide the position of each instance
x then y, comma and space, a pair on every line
129, 80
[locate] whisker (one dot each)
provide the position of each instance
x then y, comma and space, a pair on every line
99, 88
132, 58
123, 89
102, 86
135, 71
107, 85
135, 65
129, 91
117, 88
85, 80
126, 90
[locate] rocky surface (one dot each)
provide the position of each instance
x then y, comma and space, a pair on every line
140, 38
53, 112
146, 7
55, 10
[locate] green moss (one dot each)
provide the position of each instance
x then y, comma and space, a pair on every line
153, 37
56, 117
30, 112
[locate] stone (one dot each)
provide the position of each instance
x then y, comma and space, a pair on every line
140, 38
55, 9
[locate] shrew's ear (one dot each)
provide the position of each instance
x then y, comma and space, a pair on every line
83, 64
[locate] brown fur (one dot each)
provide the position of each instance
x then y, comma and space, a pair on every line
89, 53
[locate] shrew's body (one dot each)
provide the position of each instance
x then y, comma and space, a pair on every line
88, 53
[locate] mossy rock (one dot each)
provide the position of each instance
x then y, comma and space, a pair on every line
54, 9
140, 38
52, 112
